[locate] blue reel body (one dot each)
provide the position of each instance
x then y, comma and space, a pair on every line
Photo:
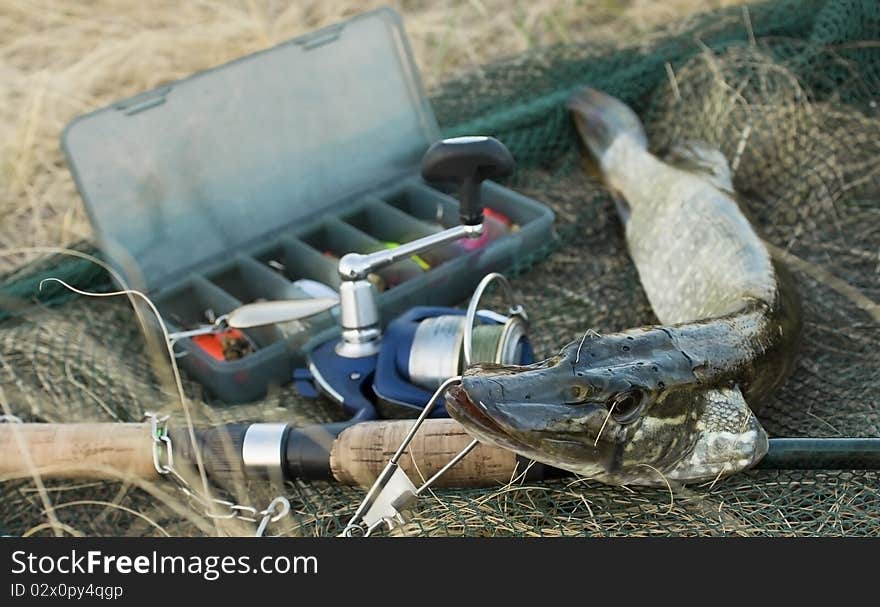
398, 397
348, 381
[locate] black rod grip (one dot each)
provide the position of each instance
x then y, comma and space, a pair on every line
307, 452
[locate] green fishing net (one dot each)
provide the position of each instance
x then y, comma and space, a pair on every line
788, 90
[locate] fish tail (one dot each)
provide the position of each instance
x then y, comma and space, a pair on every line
601, 119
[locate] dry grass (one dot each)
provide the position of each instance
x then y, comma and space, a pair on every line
60, 59
715, 96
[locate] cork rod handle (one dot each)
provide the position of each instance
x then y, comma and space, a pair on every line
361, 452
76, 451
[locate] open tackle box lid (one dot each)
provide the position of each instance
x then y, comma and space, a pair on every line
195, 170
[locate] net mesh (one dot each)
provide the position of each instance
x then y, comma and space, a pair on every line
787, 90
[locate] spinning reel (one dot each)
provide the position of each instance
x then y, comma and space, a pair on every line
395, 374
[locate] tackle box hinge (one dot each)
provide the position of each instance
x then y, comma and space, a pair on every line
320, 38
144, 101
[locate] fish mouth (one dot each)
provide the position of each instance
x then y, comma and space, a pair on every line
476, 418
497, 423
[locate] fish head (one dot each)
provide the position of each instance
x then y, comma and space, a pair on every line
625, 408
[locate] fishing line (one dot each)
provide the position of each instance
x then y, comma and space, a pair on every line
438, 346
178, 381
168, 469
486, 340
117, 278
514, 326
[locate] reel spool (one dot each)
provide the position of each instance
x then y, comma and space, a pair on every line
437, 351
427, 346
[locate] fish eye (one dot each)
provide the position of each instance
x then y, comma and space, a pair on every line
626, 406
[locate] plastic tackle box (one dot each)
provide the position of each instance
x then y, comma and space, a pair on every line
228, 186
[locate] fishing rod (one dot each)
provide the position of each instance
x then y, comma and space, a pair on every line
348, 453
353, 454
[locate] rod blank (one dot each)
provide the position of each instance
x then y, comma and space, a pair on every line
822, 454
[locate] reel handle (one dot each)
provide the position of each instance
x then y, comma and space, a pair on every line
468, 161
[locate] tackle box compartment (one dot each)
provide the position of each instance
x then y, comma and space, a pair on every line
226, 187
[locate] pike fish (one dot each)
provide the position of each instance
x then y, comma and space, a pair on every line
668, 402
